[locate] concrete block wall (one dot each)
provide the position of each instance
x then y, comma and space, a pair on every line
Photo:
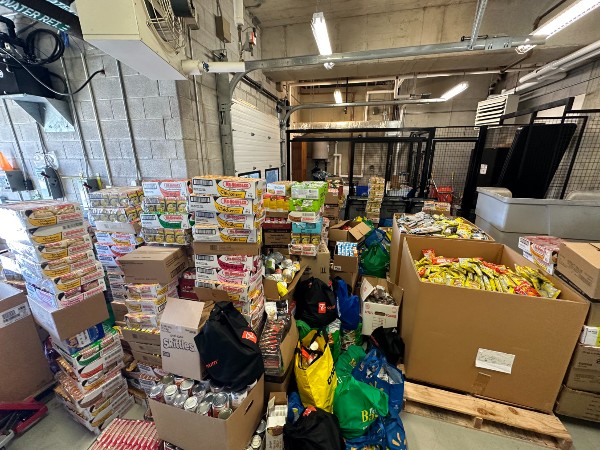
172, 137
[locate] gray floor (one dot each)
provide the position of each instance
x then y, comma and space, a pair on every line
57, 432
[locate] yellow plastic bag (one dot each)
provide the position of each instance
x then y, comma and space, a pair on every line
316, 380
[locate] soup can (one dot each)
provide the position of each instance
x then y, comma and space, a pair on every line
179, 400
215, 388
237, 398
170, 393
225, 413
199, 390
157, 393
204, 409
186, 386
191, 404
220, 402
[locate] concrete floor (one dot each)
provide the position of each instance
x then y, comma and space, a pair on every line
57, 432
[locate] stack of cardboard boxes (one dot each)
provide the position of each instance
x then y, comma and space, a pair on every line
346, 266
115, 215
166, 218
277, 229
227, 241
579, 264
333, 199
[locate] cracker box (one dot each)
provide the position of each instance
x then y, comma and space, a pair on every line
229, 205
166, 188
223, 186
214, 233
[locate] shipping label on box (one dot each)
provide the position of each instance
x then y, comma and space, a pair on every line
180, 323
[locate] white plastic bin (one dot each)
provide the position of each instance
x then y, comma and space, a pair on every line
574, 219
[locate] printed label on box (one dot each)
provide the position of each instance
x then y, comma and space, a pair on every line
15, 314
492, 360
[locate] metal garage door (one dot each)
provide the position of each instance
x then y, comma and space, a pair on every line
255, 139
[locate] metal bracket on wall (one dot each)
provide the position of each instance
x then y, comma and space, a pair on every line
52, 114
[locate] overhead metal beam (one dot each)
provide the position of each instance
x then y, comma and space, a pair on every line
481, 5
46, 13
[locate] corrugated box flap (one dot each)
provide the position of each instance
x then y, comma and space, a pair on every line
182, 313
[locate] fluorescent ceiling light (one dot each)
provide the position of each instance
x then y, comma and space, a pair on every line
570, 15
460, 87
337, 95
319, 29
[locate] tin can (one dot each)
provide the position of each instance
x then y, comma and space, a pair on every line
170, 393
238, 397
179, 400
157, 393
225, 413
262, 427
220, 402
204, 409
178, 380
186, 386
167, 380
209, 397
191, 404
215, 388
256, 442
199, 390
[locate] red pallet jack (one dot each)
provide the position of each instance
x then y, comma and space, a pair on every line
18, 417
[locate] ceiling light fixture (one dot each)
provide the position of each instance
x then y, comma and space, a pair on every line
337, 95
319, 29
570, 15
460, 87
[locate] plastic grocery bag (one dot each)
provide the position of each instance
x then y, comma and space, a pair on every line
375, 260
348, 305
375, 437
394, 433
303, 328
376, 371
347, 361
334, 334
314, 371
357, 405
295, 407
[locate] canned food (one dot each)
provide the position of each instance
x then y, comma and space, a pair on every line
167, 380
157, 393
219, 403
238, 397
191, 404
225, 413
170, 393
209, 397
204, 409
186, 386
179, 400
178, 380
262, 426
199, 390
256, 442
215, 388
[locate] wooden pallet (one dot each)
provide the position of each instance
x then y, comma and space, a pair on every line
485, 415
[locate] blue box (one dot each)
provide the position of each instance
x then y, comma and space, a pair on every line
307, 228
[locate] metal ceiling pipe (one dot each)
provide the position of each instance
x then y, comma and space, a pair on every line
481, 5
336, 82
419, 101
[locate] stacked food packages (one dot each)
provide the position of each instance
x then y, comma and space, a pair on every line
146, 302
230, 210
333, 199
439, 226
278, 196
475, 273
166, 218
309, 228
124, 434
53, 250
541, 250
277, 229
90, 383
115, 215
376, 192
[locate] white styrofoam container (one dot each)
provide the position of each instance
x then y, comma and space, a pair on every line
513, 215
567, 219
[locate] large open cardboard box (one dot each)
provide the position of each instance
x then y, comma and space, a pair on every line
506, 347
375, 315
270, 287
193, 431
355, 233
24, 370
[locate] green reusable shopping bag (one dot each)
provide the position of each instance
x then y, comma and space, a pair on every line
303, 328
375, 260
357, 405
347, 361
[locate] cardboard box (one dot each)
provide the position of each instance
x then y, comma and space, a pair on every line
276, 418
580, 263
593, 318
375, 315
225, 220
277, 237
118, 227
583, 380
167, 188
66, 322
356, 232
24, 370
452, 333
235, 292
237, 187
586, 357
229, 276
214, 233
180, 323
278, 384
228, 205
318, 265
441, 208
153, 264
349, 277
543, 248
331, 212
345, 263
230, 262
148, 358
143, 337
590, 336
225, 248
119, 310
196, 432
548, 268
145, 348
582, 405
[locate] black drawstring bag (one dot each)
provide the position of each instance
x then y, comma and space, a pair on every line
229, 348
314, 430
390, 343
315, 303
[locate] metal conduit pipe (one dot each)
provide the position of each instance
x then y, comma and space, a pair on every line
76, 122
86, 74
128, 120
481, 5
